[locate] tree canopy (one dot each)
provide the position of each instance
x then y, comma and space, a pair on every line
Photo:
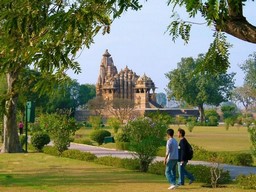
46, 35
226, 17
198, 89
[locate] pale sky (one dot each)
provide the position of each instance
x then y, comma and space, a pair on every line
138, 40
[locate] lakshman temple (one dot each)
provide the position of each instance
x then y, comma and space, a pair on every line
125, 84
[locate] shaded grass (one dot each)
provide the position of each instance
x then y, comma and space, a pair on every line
40, 172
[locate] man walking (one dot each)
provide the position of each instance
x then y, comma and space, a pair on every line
183, 159
171, 159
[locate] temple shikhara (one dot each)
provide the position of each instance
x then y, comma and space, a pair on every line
125, 84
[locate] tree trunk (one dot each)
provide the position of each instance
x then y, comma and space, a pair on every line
11, 142
201, 113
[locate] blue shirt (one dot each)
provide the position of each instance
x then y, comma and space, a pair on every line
172, 149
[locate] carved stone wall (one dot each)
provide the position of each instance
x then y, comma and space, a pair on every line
125, 84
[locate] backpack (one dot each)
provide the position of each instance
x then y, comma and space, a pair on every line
190, 151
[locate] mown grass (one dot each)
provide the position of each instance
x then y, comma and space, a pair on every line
34, 172
236, 139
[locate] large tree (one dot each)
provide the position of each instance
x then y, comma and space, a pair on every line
47, 34
198, 89
249, 69
226, 16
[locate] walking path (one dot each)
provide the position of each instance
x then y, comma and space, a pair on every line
100, 151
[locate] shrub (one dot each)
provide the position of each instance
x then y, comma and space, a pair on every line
39, 140
211, 113
247, 181
213, 121
122, 137
132, 164
60, 127
99, 135
190, 125
95, 121
114, 123
244, 159
85, 141
79, 155
22, 139
51, 151
122, 145
252, 132
200, 172
145, 137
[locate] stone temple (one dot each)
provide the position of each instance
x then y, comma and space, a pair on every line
125, 84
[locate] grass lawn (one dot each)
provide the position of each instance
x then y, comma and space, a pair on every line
211, 138
219, 139
35, 172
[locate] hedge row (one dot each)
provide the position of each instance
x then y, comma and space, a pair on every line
247, 181
244, 159
201, 173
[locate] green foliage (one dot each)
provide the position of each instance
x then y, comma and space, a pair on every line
95, 121
244, 159
79, 155
85, 141
252, 132
247, 181
216, 59
197, 89
39, 140
160, 116
229, 111
22, 140
145, 136
249, 69
122, 141
99, 135
132, 164
211, 113
60, 127
47, 35
200, 172
51, 151
190, 125
213, 121
122, 137
114, 123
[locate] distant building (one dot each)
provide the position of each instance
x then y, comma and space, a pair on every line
125, 84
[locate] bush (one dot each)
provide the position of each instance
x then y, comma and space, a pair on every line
22, 139
213, 121
131, 164
39, 140
145, 136
247, 181
79, 155
51, 151
122, 145
61, 127
99, 135
244, 159
85, 141
95, 121
114, 123
200, 172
